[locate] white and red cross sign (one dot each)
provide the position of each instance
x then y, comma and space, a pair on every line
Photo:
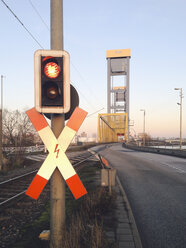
57, 157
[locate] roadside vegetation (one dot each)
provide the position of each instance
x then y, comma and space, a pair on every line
84, 217
17, 132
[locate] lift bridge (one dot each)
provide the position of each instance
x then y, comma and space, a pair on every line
114, 126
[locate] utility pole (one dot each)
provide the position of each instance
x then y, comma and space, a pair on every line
2, 92
180, 104
143, 125
1, 126
57, 184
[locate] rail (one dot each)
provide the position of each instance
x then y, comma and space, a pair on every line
77, 164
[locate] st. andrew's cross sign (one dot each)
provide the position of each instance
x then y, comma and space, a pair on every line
57, 157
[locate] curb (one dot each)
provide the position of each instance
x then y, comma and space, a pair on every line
134, 229
136, 236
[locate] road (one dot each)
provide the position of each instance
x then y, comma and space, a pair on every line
156, 189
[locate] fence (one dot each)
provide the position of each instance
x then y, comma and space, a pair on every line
28, 149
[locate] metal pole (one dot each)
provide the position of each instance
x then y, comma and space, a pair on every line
127, 94
57, 186
1, 125
2, 93
143, 125
108, 85
110, 181
181, 96
181, 118
144, 130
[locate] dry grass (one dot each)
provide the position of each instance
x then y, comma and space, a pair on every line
86, 225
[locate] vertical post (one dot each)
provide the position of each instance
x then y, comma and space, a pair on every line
110, 181
108, 85
181, 96
1, 135
114, 93
127, 94
1, 125
57, 187
126, 126
144, 129
143, 125
2, 93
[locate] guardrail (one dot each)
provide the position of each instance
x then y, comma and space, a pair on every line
165, 151
27, 149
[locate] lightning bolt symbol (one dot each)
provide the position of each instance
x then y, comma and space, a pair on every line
56, 150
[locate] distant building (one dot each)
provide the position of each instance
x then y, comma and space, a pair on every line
83, 137
83, 134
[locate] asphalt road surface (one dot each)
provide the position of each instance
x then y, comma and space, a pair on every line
156, 189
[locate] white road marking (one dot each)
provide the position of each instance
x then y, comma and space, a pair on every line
173, 167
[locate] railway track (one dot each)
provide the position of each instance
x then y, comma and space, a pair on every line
17, 209
14, 188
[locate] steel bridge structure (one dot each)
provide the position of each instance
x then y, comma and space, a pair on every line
112, 127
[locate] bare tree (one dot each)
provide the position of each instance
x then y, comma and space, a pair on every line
17, 129
17, 132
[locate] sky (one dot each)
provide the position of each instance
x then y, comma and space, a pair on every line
154, 30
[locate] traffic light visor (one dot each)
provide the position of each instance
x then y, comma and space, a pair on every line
52, 70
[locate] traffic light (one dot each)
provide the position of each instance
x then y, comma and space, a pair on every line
52, 81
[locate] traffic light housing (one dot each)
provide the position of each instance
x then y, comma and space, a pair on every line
52, 81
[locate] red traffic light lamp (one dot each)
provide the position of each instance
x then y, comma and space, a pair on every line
52, 81
52, 70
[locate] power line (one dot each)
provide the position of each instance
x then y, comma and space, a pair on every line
71, 60
95, 112
97, 99
37, 12
22, 23
38, 41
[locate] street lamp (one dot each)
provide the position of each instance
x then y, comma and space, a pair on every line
180, 104
143, 126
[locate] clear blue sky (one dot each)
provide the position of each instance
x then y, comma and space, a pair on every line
153, 29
